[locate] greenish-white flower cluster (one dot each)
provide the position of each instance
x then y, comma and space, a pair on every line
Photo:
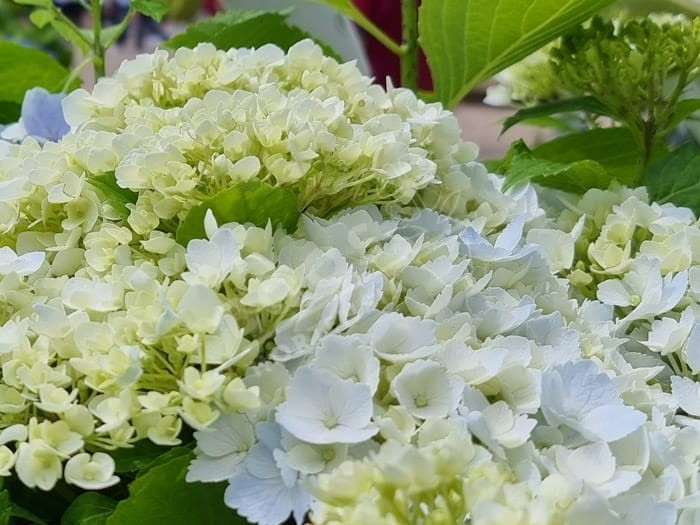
425, 348
110, 330
526, 83
178, 130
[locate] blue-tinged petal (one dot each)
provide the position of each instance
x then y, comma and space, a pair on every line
42, 115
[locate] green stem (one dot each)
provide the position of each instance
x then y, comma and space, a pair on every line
121, 28
366, 24
75, 73
76, 36
98, 50
409, 44
667, 116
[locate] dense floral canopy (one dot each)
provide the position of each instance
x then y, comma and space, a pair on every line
424, 347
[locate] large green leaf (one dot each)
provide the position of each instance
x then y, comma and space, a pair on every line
5, 514
82, 38
243, 28
253, 201
468, 41
522, 165
38, 3
141, 456
10, 112
676, 178
587, 104
612, 148
156, 9
90, 508
162, 496
683, 110
9, 510
22, 68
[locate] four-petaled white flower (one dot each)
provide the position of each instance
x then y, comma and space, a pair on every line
91, 472
209, 262
349, 358
595, 464
426, 389
645, 290
398, 339
266, 490
222, 448
581, 397
322, 408
496, 425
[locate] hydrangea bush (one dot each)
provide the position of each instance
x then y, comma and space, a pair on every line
424, 346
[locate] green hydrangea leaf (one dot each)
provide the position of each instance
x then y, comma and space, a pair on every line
37, 3
22, 68
610, 151
253, 201
586, 104
140, 457
468, 42
155, 9
10, 112
244, 28
117, 196
90, 508
683, 110
82, 38
675, 178
162, 496
9, 510
42, 17
5, 513
612, 148
522, 166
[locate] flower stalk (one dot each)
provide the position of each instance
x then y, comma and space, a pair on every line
98, 50
409, 44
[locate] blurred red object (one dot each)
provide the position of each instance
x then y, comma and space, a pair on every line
386, 14
211, 6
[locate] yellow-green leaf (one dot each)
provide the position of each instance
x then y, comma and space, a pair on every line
522, 165
22, 68
162, 496
155, 9
244, 28
468, 41
90, 508
676, 178
253, 201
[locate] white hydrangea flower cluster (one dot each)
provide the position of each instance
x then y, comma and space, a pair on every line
112, 332
643, 259
437, 371
425, 348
